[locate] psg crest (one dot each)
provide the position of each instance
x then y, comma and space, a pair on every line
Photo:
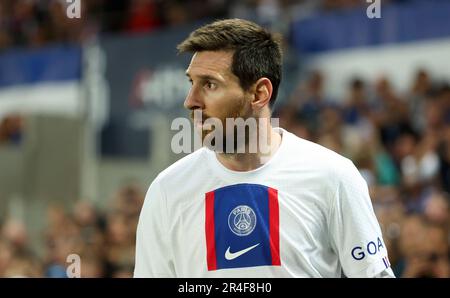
242, 220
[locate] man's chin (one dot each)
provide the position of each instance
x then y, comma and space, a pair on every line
210, 141
204, 134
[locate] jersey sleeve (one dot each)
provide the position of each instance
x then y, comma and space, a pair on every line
153, 252
354, 229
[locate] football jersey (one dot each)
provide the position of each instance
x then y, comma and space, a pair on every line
304, 213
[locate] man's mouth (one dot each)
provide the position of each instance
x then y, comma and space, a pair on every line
199, 119
198, 123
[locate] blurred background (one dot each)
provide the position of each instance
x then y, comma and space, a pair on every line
86, 106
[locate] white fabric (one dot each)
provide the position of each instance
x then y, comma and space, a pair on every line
325, 216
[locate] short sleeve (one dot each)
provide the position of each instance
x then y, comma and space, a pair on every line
354, 229
153, 253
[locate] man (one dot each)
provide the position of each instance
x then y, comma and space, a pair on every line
299, 210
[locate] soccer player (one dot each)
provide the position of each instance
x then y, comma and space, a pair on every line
298, 210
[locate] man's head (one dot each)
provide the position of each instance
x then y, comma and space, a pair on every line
235, 70
256, 53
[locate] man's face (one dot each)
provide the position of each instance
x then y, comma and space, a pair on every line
215, 90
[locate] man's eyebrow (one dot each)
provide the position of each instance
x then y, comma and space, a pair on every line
205, 77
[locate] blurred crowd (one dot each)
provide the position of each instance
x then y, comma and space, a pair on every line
401, 145
36, 23
103, 240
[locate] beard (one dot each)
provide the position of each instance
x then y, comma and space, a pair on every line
233, 136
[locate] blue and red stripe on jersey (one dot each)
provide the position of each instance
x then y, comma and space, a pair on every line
219, 204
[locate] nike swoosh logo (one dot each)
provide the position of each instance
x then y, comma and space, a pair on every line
233, 255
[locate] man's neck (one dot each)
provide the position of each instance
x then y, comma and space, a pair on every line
242, 162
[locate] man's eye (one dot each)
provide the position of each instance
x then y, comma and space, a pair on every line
210, 85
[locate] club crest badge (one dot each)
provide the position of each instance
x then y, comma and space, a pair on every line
242, 220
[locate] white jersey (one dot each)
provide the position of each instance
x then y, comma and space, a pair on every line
305, 213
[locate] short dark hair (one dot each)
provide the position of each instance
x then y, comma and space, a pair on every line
256, 51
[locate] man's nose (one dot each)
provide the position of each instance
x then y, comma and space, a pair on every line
193, 100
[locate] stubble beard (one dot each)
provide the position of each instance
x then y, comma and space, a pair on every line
239, 111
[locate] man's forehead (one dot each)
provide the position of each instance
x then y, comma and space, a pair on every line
210, 62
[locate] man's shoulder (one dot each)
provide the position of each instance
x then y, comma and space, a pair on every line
186, 166
309, 152
318, 163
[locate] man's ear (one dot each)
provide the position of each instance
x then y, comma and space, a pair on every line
262, 91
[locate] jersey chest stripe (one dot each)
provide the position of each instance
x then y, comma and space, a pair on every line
274, 231
209, 231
